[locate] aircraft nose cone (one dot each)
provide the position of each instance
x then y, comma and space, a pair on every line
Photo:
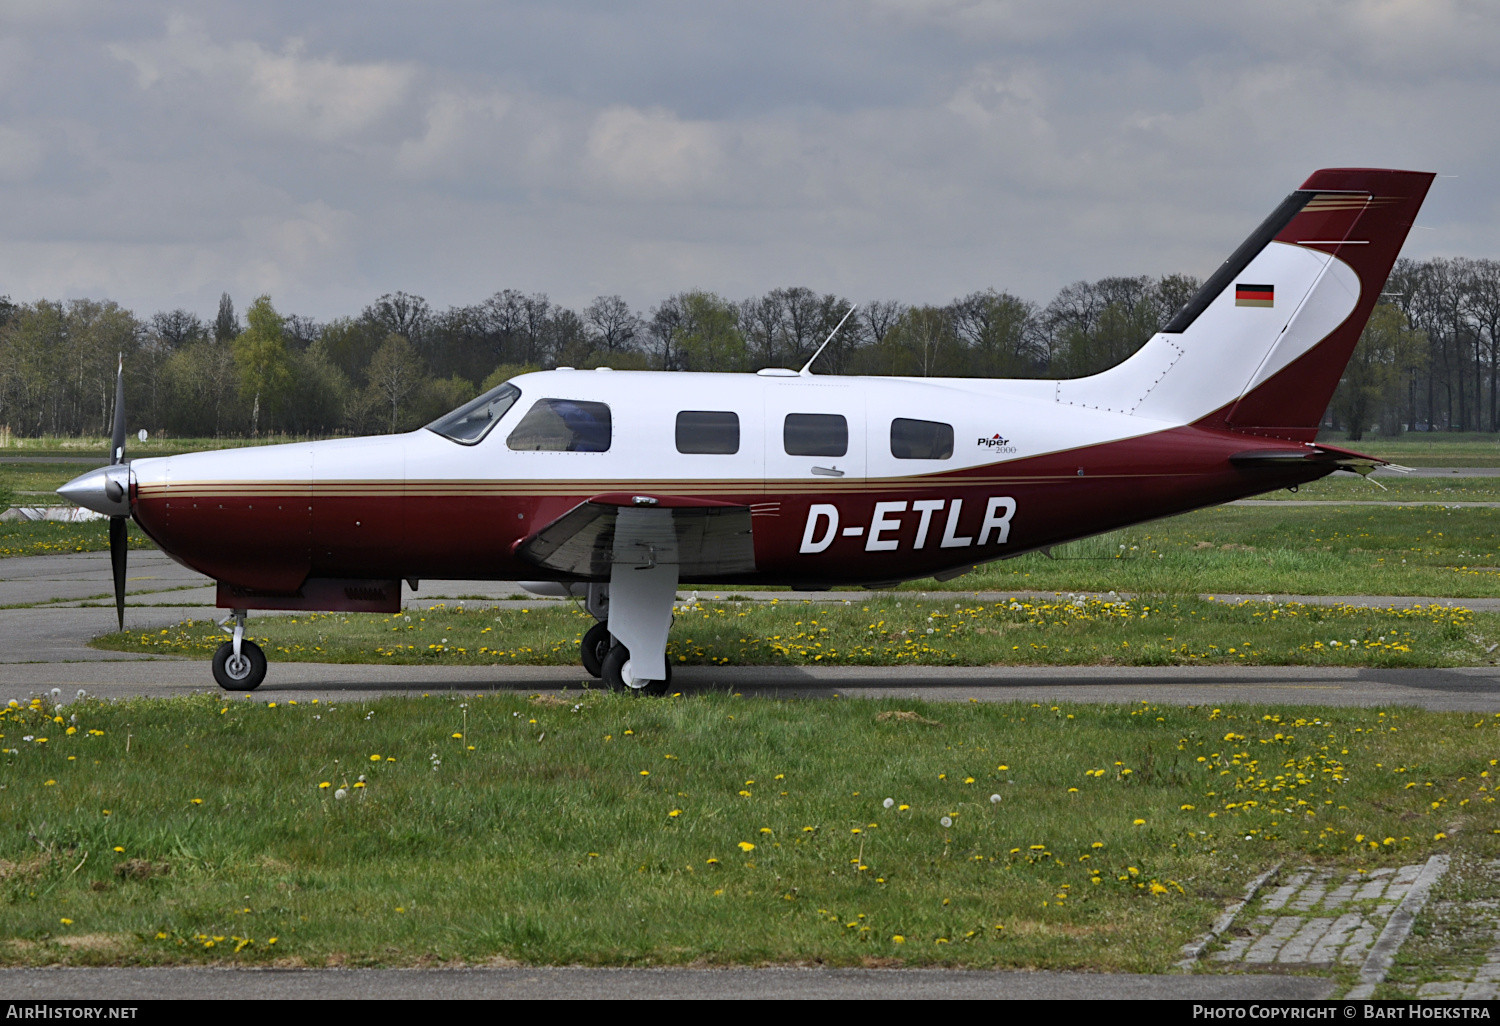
105, 490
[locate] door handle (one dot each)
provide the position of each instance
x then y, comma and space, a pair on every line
828, 471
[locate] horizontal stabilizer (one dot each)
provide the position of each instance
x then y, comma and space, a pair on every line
702, 540
1324, 455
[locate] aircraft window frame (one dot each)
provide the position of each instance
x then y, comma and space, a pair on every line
448, 422
705, 432
810, 423
577, 416
935, 444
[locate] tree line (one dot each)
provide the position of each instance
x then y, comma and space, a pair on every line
1429, 359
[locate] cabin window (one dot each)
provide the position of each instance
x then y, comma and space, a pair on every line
708, 431
815, 434
562, 425
472, 421
921, 439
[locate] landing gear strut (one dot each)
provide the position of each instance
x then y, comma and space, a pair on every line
627, 647
239, 665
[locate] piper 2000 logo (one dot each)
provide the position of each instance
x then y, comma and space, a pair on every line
823, 525
996, 443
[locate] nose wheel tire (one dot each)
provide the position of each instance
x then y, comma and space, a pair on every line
616, 674
596, 644
243, 674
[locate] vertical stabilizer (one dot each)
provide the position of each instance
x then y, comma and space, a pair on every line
1262, 345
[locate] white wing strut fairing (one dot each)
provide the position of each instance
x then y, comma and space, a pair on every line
630, 483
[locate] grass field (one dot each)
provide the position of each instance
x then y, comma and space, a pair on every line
45, 538
1151, 631
593, 829
1346, 487
1299, 550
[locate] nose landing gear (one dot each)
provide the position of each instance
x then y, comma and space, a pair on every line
239, 665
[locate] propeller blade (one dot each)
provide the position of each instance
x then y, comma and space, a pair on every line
117, 544
117, 437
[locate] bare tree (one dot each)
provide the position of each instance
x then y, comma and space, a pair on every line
612, 324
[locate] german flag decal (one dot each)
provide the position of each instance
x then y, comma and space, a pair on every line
1254, 295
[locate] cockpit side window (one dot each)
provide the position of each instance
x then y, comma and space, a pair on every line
563, 425
468, 424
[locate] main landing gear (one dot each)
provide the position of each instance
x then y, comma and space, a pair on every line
604, 656
239, 665
627, 648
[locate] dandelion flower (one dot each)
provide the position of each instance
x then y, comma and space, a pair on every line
375, 758
197, 801
1439, 836
994, 799
66, 922
902, 808
119, 849
898, 939
856, 830
645, 773
888, 802
1002, 768
674, 813
341, 793
968, 780
946, 821
713, 862
459, 737
324, 786
1138, 822
765, 830
746, 846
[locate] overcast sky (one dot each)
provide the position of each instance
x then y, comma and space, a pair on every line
158, 153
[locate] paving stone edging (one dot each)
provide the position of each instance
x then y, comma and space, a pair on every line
1397, 929
1193, 950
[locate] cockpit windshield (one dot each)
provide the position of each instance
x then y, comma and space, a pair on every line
473, 420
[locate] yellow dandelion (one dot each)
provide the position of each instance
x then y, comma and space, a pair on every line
119, 849
746, 846
897, 939
1138, 822
375, 758
197, 801
645, 773
674, 813
66, 922
324, 785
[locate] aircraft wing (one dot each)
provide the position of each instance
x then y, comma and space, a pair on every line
704, 538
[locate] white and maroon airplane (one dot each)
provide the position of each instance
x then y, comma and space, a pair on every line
621, 485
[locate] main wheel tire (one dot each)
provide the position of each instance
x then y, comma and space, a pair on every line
244, 675
615, 674
596, 645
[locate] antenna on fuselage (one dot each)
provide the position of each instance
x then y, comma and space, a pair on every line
806, 370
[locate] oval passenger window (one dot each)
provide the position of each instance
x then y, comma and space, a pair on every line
921, 439
815, 434
708, 431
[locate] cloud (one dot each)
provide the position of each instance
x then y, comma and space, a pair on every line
20, 154
318, 97
911, 149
